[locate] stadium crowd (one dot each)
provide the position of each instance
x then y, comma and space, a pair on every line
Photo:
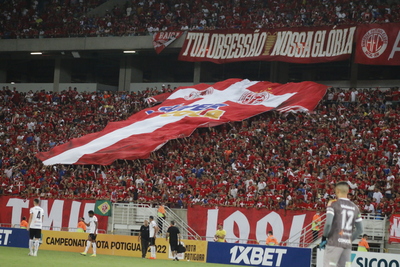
274, 160
72, 18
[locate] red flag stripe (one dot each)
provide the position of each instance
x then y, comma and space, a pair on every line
185, 110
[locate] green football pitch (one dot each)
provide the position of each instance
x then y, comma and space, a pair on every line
18, 257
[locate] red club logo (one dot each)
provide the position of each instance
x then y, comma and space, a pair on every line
374, 42
252, 98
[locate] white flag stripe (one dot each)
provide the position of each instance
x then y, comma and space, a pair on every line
150, 100
231, 93
198, 104
140, 127
146, 126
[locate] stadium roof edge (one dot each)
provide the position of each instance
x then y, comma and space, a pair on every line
82, 44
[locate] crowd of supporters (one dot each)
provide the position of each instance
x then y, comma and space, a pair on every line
72, 18
274, 160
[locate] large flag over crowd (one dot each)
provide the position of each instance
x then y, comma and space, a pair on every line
186, 109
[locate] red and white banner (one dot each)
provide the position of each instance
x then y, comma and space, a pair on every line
295, 45
378, 44
186, 109
58, 213
242, 224
163, 39
157, 98
394, 232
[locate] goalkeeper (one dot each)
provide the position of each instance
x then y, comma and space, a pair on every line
343, 225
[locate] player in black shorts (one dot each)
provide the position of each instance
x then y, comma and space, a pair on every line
91, 241
153, 230
92, 237
143, 237
35, 225
174, 236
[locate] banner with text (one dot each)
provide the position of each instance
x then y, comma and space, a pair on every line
242, 224
120, 245
13, 237
58, 213
366, 259
163, 39
378, 44
295, 45
394, 232
256, 255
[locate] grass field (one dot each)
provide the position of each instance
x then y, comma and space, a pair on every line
18, 257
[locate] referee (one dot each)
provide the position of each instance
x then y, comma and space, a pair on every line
144, 238
174, 236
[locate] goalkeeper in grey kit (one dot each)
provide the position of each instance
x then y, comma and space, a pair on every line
343, 225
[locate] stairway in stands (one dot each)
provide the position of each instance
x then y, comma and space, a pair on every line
127, 218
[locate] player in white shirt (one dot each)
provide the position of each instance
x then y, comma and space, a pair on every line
153, 230
93, 225
35, 225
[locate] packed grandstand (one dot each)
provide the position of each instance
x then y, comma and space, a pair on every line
271, 161
72, 18
270, 171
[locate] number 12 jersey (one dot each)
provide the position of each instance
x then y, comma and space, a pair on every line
345, 215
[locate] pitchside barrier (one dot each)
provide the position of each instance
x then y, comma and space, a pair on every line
258, 255
367, 259
196, 250
120, 245
12, 237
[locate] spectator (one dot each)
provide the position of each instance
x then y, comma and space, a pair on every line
161, 216
271, 240
369, 208
24, 223
268, 166
377, 195
51, 21
220, 234
316, 223
363, 244
81, 225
